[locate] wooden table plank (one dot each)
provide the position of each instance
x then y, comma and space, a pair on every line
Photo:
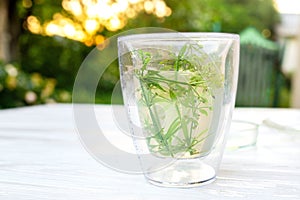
42, 158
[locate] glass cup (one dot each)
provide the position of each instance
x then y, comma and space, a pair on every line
242, 134
179, 91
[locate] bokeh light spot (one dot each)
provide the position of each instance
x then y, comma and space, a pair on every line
34, 24
86, 19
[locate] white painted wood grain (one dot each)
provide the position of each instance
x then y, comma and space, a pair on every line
41, 157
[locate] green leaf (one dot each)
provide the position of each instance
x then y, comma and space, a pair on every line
182, 51
172, 95
152, 72
160, 99
204, 112
174, 127
158, 86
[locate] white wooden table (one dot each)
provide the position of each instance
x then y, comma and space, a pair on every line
41, 157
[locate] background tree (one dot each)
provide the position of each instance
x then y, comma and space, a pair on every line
215, 15
54, 36
9, 31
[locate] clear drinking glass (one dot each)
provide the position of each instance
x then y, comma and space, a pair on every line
242, 134
179, 90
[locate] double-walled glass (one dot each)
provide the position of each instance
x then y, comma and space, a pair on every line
179, 90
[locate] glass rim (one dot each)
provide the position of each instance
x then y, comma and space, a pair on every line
250, 125
179, 36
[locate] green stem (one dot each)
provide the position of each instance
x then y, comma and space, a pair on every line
155, 121
183, 125
191, 128
165, 80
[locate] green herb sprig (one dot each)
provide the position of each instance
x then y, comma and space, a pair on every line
183, 83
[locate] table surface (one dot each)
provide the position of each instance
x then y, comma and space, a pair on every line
42, 158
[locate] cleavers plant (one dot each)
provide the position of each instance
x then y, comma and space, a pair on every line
176, 92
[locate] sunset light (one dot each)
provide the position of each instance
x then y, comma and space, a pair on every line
91, 17
287, 6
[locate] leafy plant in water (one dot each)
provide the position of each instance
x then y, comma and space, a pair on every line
184, 83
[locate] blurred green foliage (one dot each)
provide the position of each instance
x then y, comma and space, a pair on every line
54, 57
47, 66
214, 15
18, 88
